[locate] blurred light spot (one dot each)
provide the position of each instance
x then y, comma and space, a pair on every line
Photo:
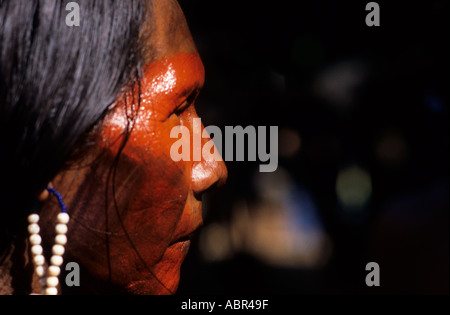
337, 84
215, 242
391, 148
289, 142
239, 225
280, 227
353, 187
272, 187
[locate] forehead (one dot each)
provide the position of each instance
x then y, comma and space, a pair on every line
168, 31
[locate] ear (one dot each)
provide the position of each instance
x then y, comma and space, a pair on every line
44, 194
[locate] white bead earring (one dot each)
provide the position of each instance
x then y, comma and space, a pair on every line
49, 278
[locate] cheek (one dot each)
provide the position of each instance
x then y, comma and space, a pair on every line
151, 192
161, 178
156, 188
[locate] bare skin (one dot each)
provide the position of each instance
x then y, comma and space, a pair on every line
136, 242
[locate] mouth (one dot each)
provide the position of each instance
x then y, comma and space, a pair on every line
180, 247
185, 238
189, 223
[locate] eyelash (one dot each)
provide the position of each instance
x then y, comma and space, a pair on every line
186, 103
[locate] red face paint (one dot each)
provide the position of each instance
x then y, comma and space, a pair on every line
163, 194
139, 243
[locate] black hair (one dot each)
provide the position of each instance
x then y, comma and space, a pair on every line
57, 83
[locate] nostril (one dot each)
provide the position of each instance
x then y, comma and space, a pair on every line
223, 175
211, 189
206, 175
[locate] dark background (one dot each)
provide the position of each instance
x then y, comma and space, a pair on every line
371, 97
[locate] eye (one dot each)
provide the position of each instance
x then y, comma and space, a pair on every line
186, 103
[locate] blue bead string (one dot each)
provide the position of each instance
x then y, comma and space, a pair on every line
59, 197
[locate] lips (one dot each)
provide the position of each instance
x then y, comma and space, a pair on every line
186, 237
182, 239
190, 220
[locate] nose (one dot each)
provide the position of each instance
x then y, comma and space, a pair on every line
208, 172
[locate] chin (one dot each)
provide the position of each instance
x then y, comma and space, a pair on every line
166, 286
166, 274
